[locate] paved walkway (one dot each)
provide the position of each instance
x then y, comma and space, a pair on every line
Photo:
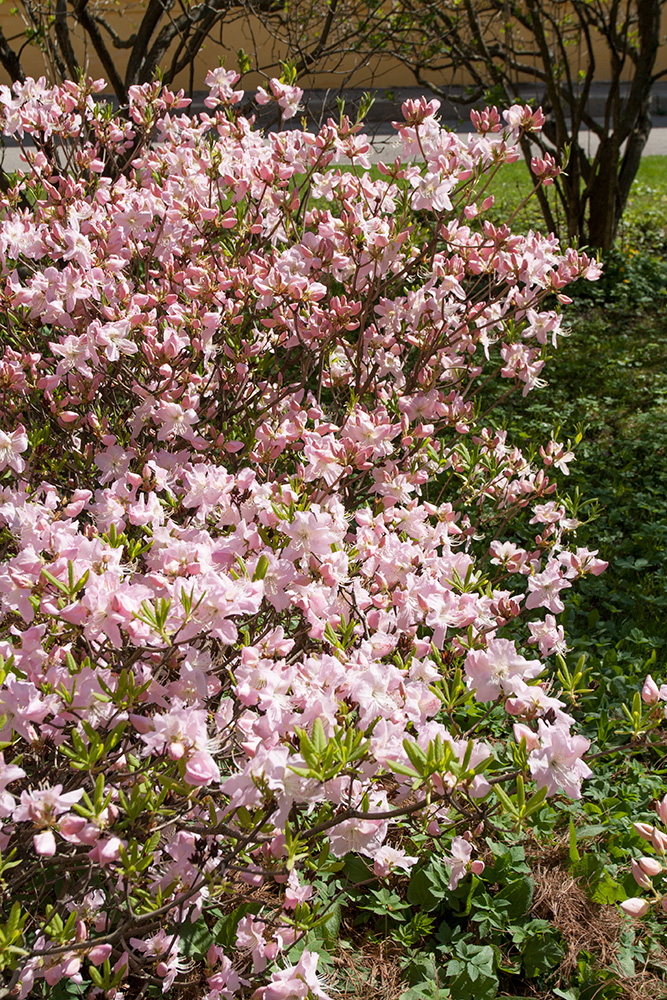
387, 147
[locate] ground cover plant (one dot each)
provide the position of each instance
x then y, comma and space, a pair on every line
286, 693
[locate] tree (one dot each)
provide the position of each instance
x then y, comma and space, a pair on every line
563, 46
168, 37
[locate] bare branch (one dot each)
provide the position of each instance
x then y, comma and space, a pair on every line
10, 60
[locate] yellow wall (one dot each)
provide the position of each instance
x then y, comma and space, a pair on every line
251, 36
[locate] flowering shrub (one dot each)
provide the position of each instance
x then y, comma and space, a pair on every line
274, 589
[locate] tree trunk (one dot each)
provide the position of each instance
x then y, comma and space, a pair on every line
10, 60
603, 198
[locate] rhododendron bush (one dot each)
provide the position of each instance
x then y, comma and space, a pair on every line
275, 591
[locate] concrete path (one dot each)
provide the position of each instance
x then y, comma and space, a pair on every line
387, 147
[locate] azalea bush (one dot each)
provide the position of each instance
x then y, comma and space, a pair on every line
278, 597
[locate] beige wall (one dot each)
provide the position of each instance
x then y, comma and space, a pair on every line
251, 36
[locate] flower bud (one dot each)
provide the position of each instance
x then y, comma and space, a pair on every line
659, 840
651, 866
99, 953
524, 732
635, 907
640, 877
662, 810
477, 867
45, 843
650, 691
644, 830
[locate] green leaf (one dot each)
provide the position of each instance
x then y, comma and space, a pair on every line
608, 891
518, 894
573, 851
409, 772
473, 973
319, 739
261, 568
415, 754
507, 804
541, 954
356, 869
197, 938
224, 931
429, 886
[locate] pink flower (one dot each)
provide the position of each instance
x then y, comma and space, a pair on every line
99, 953
544, 590
659, 840
549, 636
492, 671
650, 866
296, 982
41, 808
44, 805
558, 764
11, 447
201, 769
250, 935
8, 773
389, 859
296, 893
286, 96
662, 810
364, 836
461, 852
45, 843
640, 876
522, 732
222, 83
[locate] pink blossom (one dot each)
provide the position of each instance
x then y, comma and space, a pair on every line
287, 97
651, 866
11, 447
548, 635
295, 982
295, 893
544, 590
493, 671
8, 773
662, 809
461, 852
522, 732
262, 503
41, 809
558, 764
389, 859
642, 879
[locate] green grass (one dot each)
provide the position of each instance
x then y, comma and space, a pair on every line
646, 209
